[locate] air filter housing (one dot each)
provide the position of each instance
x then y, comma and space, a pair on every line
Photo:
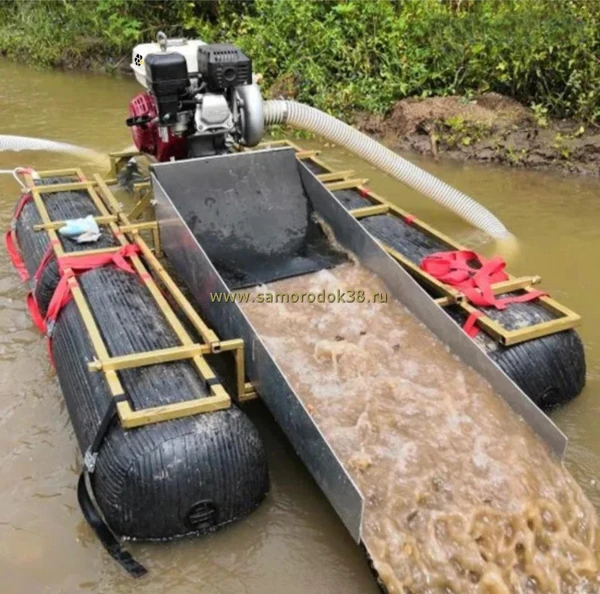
167, 77
223, 66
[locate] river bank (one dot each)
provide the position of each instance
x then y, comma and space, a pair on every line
371, 63
487, 128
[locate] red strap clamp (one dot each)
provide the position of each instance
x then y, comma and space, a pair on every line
69, 265
32, 305
10, 239
470, 326
474, 276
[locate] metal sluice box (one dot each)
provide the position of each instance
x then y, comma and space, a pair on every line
242, 219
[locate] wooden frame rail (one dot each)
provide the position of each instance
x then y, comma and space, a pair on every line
110, 214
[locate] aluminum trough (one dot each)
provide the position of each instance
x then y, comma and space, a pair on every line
216, 196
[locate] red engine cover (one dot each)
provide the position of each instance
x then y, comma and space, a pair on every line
147, 139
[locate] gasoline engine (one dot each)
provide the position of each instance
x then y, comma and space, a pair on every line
200, 99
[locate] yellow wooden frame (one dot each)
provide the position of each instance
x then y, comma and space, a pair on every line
70, 172
214, 344
142, 195
117, 161
369, 211
566, 318
141, 190
335, 175
345, 184
59, 224
110, 213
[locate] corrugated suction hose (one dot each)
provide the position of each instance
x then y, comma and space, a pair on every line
308, 118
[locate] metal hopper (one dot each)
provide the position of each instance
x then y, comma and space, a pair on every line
242, 219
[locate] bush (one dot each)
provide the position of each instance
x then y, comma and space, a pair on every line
76, 33
348, 56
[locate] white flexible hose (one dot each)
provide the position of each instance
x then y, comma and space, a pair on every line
308, 118
25, 143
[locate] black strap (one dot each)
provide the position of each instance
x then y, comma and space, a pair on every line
106, 537
102, 431
87, 505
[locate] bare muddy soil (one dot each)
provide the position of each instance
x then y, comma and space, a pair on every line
489, 128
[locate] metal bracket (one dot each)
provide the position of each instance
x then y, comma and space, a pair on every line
89, 460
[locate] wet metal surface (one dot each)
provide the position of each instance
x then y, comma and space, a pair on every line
196, 269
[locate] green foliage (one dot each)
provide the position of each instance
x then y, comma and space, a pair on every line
349, 55
456, 130
79, 33
540, 114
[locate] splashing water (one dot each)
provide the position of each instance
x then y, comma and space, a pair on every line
508, 248
461, 497
26, 143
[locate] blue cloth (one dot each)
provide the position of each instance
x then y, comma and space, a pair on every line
75, 228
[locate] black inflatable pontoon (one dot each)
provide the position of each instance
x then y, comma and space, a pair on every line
162, 480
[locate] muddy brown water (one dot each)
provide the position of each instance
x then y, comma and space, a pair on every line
294, 542
460, 497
